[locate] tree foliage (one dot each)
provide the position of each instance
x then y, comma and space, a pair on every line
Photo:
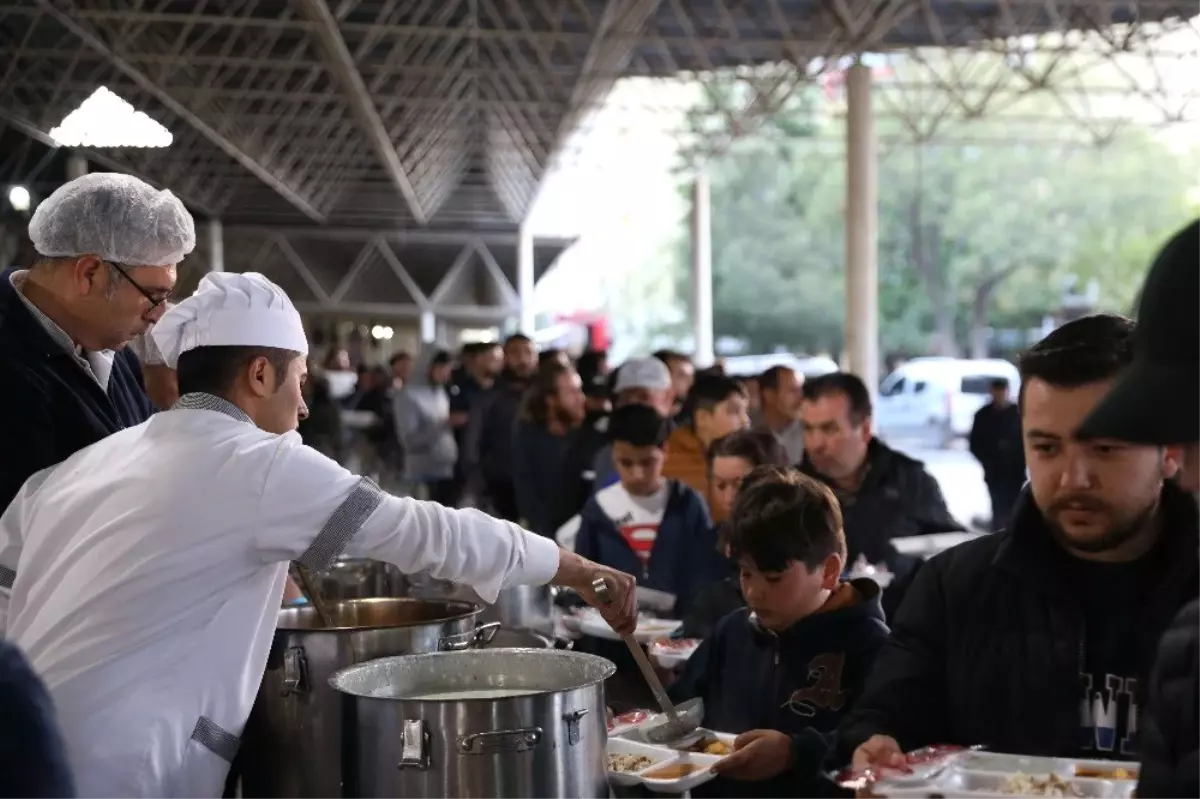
978, 228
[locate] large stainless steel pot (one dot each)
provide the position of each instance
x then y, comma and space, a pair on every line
521, 607
292, 745
546, 743
360, 578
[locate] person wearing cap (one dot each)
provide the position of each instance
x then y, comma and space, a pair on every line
1039, 639
1157, 402
107, 248
148, 568
640, 381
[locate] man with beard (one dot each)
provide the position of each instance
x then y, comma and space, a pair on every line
1156, 402
552, 409
488, 453
1038, 640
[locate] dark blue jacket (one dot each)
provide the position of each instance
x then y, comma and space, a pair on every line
684, 555
801, 682
33, 759
49, 407
538, 458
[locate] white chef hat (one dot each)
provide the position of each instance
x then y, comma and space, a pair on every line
231, 310
115, 217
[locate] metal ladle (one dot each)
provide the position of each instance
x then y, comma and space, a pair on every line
681, 721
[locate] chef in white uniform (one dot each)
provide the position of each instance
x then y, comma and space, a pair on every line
143, 575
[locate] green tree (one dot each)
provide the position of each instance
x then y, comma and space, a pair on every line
978, 222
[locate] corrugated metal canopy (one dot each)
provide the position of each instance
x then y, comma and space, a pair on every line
385, 113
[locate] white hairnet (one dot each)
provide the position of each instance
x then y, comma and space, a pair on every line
116, 218
230, 310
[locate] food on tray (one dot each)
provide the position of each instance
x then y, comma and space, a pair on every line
678, 644
710, 746
1107, 773
628, 763
674, 771
632, 717
1050, 785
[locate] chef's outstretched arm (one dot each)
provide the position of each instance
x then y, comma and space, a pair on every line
312, 510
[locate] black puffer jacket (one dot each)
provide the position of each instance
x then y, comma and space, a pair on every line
987, 646
897, 498
1170, 727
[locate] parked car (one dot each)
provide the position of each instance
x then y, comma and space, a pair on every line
938, 397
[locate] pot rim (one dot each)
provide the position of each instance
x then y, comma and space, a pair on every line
457, 610
606, 667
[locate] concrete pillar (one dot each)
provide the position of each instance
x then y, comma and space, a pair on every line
862, 230
525, 279
702, 302
216, 246
429, 327
77, 166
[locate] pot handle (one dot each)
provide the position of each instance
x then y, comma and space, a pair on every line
483, 743
483, 634
572, 720
414, 748
295, 672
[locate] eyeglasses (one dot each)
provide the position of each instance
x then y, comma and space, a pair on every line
154, 301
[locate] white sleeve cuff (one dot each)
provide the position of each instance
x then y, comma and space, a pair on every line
540, 563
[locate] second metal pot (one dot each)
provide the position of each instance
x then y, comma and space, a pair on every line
491, 722
292, 745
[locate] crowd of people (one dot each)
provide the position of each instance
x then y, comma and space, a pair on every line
762, 511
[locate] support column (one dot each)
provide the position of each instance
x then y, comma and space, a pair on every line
77, 166
429, 327
216, 246
702, 302
525, 279
862, 269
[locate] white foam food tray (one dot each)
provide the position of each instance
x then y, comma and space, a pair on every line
672, 654
1065, 767
664, 757
649, 628
963, 784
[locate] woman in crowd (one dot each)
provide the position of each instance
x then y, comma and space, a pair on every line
730, 459
424, 429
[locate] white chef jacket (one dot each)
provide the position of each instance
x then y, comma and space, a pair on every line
142, 577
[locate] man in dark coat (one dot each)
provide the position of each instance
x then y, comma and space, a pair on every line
488, 455
1039, 640
1157, 402
996, 443
884, 494
107, 248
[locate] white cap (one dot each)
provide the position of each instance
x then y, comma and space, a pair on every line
647, 373
116, 218
231, 310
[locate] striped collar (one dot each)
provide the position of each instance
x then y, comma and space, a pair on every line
199, 401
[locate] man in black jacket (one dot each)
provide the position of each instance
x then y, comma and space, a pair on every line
1156, 403
1039, 640
489, 437
884, 494
107, 248
996, 443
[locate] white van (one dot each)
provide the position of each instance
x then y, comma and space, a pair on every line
938, 397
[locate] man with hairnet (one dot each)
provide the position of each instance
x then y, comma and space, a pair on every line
149, 566
107, 248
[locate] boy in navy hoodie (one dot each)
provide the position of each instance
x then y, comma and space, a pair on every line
782, 672
646, 525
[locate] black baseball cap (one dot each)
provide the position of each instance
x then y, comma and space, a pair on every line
1157, 399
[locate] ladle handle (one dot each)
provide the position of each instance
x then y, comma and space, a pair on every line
603, 593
